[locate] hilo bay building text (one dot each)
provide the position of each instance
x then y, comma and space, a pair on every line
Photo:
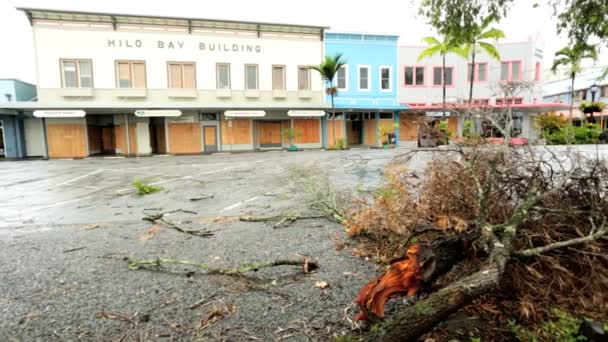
117, 84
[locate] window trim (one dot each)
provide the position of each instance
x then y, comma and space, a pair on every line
217, 73
390, 78
537, 71
181, 64
131, 62
284, 76
476, 68
77, 63
510, 70
414, 78
257, 76
345, 66
453, 85
309, 88
369, 77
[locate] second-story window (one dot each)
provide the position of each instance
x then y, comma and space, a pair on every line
223, 75
363, 78
385, 78
414, 76
77, 73
510, 71
251, 77
131, 74
341, 80
438, 76
303, 78
604, 91
278, 77
181, 75
480, 71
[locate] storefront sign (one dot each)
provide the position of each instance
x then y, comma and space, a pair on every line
59, 113
218, 46
157, 113
244, 113
306, 113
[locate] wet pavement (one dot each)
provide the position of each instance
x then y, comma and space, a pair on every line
67, 225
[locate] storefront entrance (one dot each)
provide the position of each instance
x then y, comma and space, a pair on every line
158, 138
101, 134
270, 133
210, 138
2, 145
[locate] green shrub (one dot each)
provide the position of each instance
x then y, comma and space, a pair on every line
586, 134
551, 122
563, 329
467, 131
145, 188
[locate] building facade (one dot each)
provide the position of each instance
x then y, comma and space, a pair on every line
367, 101
13, 125
421, 84
136, 85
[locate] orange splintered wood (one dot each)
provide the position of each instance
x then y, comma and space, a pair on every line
405, 276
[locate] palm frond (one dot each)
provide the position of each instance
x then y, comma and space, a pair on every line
493, 33
490, 49
431, 40
430, 52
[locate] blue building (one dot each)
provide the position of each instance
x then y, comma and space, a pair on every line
367, 102
12, 141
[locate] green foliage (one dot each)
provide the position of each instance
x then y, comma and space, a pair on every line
467, 131
461, 19
145, 188
592, 107
444, 47
328, 69
475, 339
551, 122
444, 135
563, 329
583, 19
339, 145
585, 134
572, 56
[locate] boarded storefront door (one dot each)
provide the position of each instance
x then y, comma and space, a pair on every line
270, 134
210, 138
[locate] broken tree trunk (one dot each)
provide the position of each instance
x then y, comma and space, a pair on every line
421, 265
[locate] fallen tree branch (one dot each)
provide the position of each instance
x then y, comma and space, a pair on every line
307, 265
159, 218
561, 244
282, 219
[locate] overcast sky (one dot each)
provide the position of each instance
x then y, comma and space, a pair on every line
378, 16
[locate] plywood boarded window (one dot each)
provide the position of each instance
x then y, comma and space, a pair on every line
76, 73
309, 131
278, 77
236, 132
131, 74
182, 75
303, 78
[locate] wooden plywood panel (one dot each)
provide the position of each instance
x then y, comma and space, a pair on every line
270, 133
453, 125
120, 138
161, 142
239, 133
408, 129
285, 125
309, 131
95, 139
107, 139
369, 132
133, 138
66, 140
185, 138
338, 125
210, 136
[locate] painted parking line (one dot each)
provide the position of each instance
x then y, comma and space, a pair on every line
238, 204
77, 178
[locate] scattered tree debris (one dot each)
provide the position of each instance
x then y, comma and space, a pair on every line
281, 219
117, 316
322, 285
159, 218
144, 188
74, 249
202, 197
307, 265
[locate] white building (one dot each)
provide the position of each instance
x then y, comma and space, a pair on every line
172, 85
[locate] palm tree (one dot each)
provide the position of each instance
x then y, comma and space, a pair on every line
572, 57
328, 70
443, 48
476, 43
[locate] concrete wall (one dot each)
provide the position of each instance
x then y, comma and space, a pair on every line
529, 53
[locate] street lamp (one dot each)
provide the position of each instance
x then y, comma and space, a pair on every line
594, 89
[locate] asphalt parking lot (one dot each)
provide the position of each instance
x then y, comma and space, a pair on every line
67, 225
